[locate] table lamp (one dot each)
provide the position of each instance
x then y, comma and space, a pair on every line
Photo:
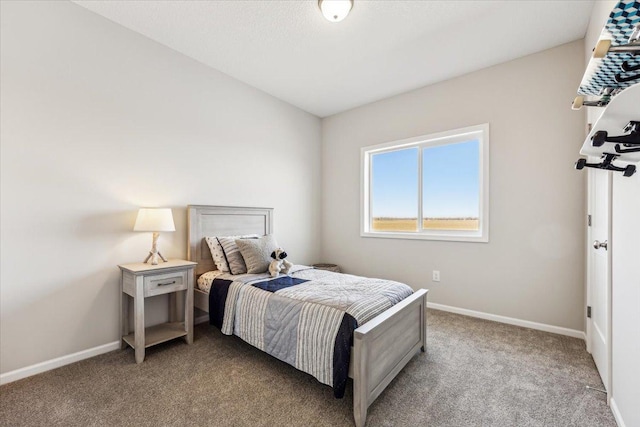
155, 220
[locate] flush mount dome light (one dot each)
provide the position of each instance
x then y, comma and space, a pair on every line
335, 10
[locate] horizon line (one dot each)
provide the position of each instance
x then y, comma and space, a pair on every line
430, 217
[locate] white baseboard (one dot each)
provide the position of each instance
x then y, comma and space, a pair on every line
510, 320
48, 365
616, 413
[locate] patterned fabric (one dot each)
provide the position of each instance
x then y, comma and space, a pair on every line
317, 330
217, 252
232, 254
257, 253
601, 72
206, 279
304, 325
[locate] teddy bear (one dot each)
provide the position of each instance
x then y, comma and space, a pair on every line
279, 263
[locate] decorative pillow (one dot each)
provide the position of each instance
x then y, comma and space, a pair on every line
206, 279
232, 253
218, 254
257, 252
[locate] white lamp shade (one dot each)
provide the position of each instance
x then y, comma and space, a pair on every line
154, 219
335, 10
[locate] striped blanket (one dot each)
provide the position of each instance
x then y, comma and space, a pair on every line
306, 319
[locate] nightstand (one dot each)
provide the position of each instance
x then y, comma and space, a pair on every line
140, 281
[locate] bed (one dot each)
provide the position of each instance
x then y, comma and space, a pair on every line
381, 347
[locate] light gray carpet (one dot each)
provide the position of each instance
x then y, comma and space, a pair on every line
475, 373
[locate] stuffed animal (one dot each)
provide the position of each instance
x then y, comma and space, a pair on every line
279, 263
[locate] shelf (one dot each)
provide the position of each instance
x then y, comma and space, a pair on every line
622, 109
158, 334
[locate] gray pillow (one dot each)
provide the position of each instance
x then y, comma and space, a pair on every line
257, 253
218, 253
232, 253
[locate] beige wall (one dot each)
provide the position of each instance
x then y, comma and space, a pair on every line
533, 267
98, 121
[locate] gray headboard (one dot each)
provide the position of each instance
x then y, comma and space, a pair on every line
222, 221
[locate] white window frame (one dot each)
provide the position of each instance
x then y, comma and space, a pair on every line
480, 132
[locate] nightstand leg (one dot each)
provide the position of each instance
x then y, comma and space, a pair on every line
124, 310
138, 302
188, 310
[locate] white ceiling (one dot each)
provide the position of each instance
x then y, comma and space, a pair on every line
384, 47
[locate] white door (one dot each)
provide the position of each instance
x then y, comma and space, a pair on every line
599, 272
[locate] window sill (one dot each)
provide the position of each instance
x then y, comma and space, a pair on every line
443, 236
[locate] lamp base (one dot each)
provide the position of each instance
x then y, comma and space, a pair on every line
153, 256
154, 253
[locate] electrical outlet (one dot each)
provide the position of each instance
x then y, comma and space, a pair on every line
436, 275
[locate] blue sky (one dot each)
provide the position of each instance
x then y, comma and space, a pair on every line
450, 182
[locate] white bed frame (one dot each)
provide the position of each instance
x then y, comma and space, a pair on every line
381, 347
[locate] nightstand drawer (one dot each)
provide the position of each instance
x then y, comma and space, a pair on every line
164, 283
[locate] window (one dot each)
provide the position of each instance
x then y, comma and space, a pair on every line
431, 187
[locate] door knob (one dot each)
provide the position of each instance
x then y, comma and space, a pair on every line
598, 245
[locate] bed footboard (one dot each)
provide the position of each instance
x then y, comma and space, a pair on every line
383, 346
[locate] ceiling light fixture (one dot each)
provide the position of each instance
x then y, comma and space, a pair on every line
335, 10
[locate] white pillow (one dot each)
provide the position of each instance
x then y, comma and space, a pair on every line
257, 252
218, 253
206, 279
